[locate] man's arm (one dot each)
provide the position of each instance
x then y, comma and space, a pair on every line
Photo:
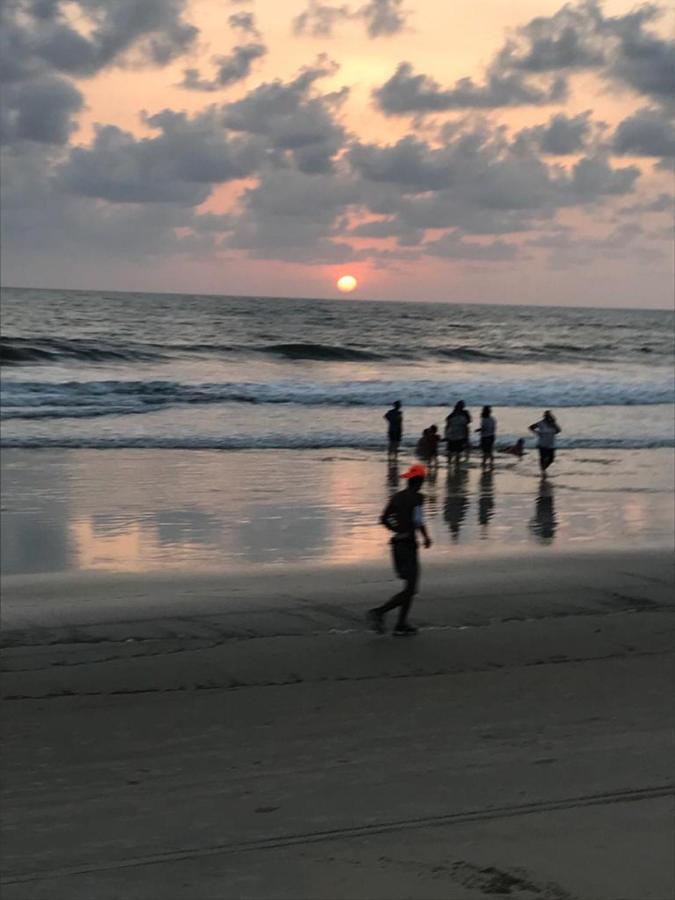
420, 525
534, 427
387, 516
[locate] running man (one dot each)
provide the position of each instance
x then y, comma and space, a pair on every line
395, 421
546, 430
403, 516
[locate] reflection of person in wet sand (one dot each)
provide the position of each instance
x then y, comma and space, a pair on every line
543, 524
403, 515
394, 418
392, 472
456, 499
486, 497
546, 430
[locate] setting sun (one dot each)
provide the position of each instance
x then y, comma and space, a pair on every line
347, 283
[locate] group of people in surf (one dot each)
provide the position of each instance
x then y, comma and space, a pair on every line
457, 437
404, 516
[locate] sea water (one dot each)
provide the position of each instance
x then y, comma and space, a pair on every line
92, 369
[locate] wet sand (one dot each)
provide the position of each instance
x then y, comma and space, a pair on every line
192, 736
155, 511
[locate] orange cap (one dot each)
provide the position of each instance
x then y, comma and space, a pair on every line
416, 471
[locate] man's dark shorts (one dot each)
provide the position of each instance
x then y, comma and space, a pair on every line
394, 437
486, 445
406, 566
546, 456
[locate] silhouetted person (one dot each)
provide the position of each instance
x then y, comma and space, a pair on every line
486, 497
546, 430
517, 449
456, 500
403, 515
488, 432
543, 523
427, 446
457, 431
394, 419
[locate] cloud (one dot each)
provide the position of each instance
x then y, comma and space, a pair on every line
178, 166
40, 110
42, 220
642, 60
646, 133
453, 246
292, 215
293, 119
534, 64
41, 36
561, 136
41, 50
382, 18
229, 69
245, 22
477, 183
406, 93
234, 67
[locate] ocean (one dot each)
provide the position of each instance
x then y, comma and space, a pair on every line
90, 369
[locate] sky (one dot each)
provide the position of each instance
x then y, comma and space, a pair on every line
493, 152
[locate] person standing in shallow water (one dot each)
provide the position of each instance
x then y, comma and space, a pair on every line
546, 430
394, 419
403, 515
488, 431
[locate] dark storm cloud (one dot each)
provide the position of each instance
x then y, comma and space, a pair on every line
41, 110
179, 166
560, 136
646, 133
382, 18
229, 69
292, 119
534, 65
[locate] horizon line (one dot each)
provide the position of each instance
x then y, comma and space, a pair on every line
341, 299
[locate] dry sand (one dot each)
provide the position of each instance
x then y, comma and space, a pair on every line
211, 738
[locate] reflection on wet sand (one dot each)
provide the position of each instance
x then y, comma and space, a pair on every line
486, 500
209, 512
543, 524
456, 499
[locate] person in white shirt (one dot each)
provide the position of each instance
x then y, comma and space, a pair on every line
546, 430
488, 432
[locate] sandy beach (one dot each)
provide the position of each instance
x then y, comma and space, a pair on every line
183, 737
